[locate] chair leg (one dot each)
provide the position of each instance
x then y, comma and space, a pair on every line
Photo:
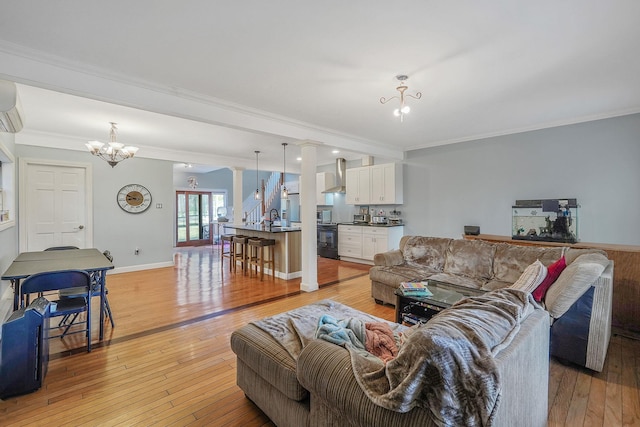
89, 325
108, 309
75, 316
261, 263
64, 319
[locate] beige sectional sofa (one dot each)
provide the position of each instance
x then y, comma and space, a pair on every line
317, 386
581, 322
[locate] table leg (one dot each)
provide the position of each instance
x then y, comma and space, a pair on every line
102, 296
15, 283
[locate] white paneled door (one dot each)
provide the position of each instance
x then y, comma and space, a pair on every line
55, 206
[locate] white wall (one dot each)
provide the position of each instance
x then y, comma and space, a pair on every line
476, 182
114, 229
8, 243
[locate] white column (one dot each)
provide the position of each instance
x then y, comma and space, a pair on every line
309, 280
237, 195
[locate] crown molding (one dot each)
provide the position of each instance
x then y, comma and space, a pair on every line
40, 69
547, 125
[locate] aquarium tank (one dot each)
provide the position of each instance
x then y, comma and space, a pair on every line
545, 220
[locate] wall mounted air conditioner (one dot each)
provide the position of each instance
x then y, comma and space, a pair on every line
10, 108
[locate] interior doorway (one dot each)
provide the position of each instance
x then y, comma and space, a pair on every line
55, 204
194, 218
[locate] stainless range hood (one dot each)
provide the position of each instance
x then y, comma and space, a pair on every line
341, 178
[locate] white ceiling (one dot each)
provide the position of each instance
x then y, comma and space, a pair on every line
218, 80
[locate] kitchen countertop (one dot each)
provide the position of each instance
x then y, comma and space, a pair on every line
262, 228
364, 224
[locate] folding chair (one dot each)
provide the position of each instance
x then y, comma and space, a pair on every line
95, 292
60, 280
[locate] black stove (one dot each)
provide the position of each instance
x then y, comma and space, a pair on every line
328, 240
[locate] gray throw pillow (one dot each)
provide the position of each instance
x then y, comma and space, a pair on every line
574, 282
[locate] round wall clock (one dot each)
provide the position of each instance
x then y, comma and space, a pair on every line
134, 198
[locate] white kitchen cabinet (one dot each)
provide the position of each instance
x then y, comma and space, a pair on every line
361, 243
324, 180
358, 186
375, 185
376, 240
386, 184
350, 241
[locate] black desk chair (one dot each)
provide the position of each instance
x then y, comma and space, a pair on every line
60, 280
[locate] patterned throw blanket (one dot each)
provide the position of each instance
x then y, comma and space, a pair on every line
447, 365
295, 328
375, 338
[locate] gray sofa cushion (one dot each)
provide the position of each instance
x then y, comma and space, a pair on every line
573, 282
510, 261
492, 285
398, 273
471, 258
426, 252
572, 253
457, 279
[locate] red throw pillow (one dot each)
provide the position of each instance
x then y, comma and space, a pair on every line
553, 271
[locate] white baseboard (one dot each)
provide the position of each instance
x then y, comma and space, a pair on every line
140, 267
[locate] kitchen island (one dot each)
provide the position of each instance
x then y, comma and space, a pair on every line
288, 249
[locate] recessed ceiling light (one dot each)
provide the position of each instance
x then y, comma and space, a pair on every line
299, 159
335, 151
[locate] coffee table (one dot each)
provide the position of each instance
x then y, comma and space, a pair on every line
415, 309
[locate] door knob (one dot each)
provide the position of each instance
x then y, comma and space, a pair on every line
80, 227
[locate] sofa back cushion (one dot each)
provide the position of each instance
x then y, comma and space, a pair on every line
553, 272
531, 278
572, 253
573, 282
472, 258
510, 261
425, 252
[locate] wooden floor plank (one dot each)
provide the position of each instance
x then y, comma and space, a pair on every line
630, 385
563, 400
579, 400
171, 364
613, 400
594, 416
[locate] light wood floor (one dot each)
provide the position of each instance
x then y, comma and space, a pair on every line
168, 360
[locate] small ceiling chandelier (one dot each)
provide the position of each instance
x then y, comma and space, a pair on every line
193, 182
285, 193
257, 194
403, 109
114, 152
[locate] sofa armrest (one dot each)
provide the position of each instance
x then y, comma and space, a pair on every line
600, 322
324, 369
390, 258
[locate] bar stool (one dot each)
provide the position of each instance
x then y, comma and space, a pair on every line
257, 256
228, 239
240, 252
